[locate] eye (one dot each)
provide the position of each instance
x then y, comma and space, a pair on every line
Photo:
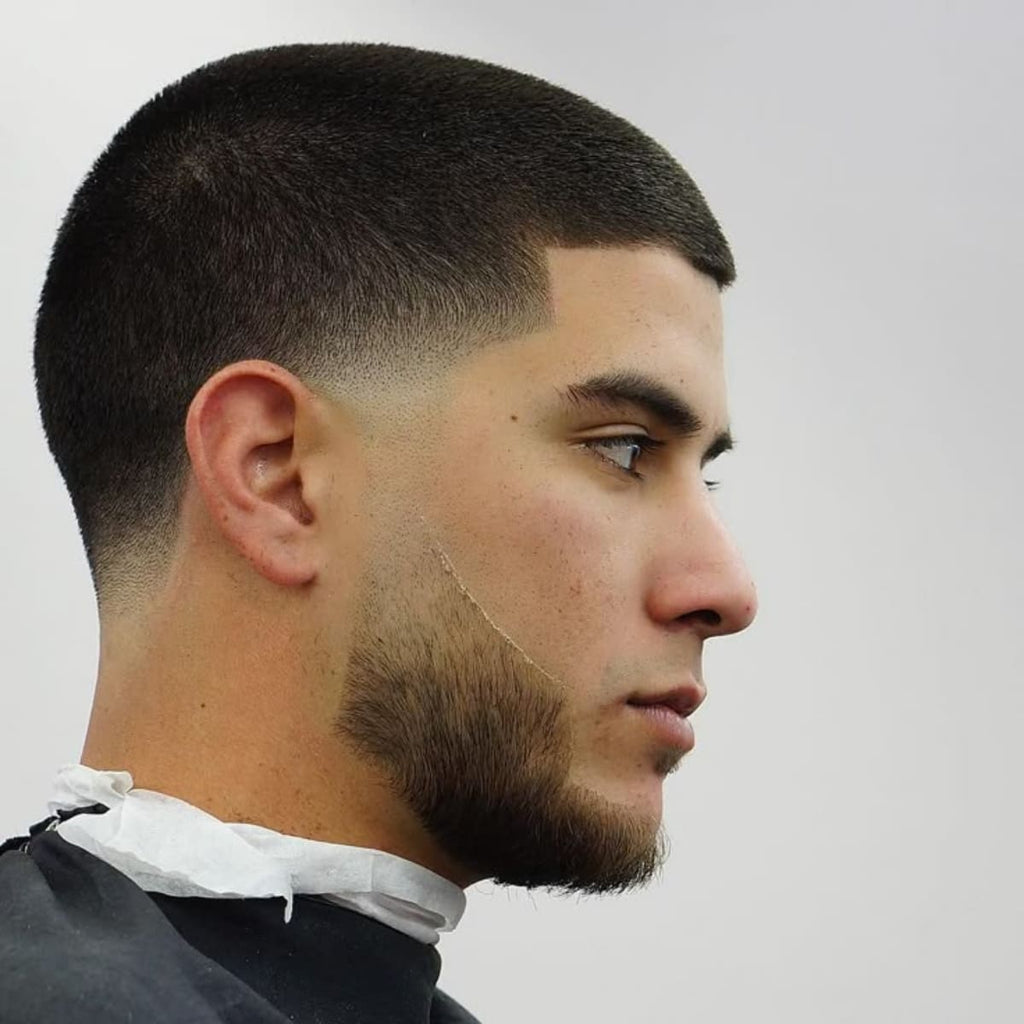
627, 449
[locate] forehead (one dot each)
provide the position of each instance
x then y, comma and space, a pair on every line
642, 310
646, 300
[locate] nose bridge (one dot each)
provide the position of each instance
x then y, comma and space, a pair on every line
705, 576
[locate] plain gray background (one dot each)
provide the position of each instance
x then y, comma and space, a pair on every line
847, 833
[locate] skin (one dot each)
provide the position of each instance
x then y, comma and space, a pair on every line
412, 623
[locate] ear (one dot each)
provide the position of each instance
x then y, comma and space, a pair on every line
240, 432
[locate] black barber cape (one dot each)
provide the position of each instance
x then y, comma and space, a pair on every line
80, 943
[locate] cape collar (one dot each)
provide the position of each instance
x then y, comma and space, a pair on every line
166, 845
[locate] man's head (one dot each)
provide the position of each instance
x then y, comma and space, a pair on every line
349, 356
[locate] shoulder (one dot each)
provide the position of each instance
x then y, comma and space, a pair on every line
80, 941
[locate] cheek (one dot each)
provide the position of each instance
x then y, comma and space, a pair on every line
551, 571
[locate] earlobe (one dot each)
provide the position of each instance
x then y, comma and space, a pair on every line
240, 434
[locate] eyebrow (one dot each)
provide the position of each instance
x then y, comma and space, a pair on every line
639, 390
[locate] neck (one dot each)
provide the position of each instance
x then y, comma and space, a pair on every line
243, 731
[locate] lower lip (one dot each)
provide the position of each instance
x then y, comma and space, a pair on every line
671, 728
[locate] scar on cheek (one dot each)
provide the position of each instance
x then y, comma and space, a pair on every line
450, 569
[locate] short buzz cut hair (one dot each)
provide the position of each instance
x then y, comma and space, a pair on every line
346, 211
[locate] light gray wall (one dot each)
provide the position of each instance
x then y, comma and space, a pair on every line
847, 838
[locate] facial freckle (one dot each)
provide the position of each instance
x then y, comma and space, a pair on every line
514, 418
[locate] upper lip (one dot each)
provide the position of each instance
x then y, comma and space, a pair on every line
683, 700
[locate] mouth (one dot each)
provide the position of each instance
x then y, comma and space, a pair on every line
683, 700
671, 728
667, 713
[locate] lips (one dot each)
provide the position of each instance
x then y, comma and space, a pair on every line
683, 700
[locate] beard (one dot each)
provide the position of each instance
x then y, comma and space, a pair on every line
479, 744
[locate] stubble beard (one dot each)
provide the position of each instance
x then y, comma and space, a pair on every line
479, 745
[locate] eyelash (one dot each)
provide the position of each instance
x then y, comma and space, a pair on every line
642, 441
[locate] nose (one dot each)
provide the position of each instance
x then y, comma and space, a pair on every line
699, 579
